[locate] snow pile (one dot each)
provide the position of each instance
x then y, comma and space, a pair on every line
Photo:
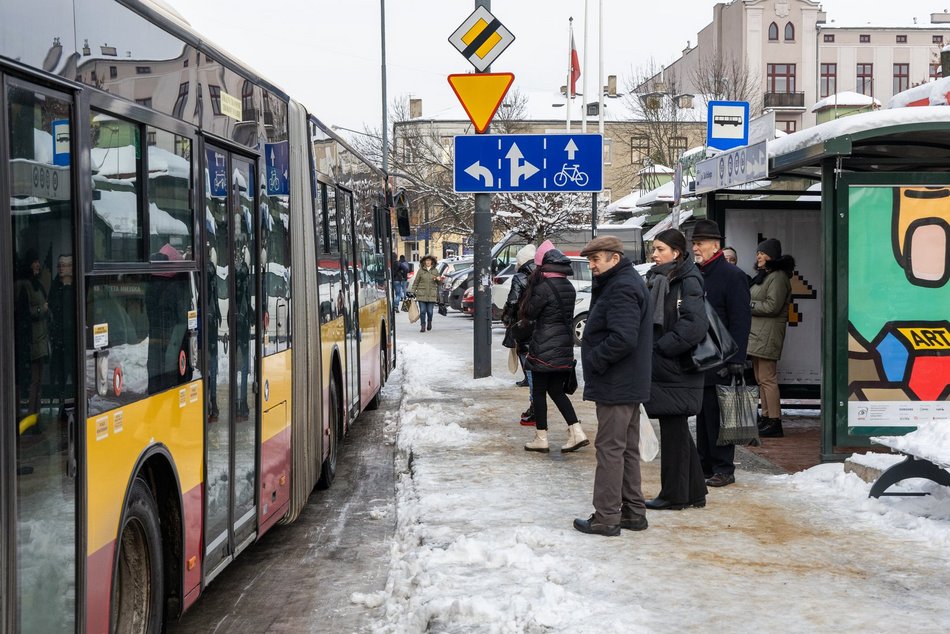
930, 441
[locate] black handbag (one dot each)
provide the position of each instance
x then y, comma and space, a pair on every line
570, 383
443, 310
509, 341
716, 347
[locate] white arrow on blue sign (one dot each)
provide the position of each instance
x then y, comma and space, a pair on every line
529, 163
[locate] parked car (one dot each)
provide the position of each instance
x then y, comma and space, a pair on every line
468, 301
582, 305
502, 286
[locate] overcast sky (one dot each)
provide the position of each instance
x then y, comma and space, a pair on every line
326, 53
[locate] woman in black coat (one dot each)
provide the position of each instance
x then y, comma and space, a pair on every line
679, 323
549, 302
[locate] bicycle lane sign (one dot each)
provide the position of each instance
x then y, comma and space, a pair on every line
528, 163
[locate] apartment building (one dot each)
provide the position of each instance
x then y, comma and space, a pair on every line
798, 54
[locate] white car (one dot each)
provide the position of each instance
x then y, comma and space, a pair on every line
582, 305
502, 283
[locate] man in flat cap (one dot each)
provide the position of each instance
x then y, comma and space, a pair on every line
727, 291
616, 350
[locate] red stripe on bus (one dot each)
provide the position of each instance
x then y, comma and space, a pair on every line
275, 478
99, 589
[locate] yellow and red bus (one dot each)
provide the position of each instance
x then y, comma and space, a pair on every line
195, 308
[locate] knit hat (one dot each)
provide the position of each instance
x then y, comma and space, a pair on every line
706, 229
771, 248
525, 255
603, 243
545, 246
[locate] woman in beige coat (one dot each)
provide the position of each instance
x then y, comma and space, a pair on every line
770, 291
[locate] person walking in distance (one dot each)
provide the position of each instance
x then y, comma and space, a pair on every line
679, 323
727, 291
509, 315
770, 292
549, 301
400, 279
616, 353
425, 288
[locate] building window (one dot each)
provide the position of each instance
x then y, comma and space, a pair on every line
829, 79
901, 77
247, 102
608, 151
865, 77
113, 72
773, 32
147, 102
143, 70
150, 137
781, 78
829, 38
934, 71
182, 99
789, 32
215, 92
938, 39
92, 76
639, 149
677, 147
787, 126
864, 39
186, 63
902, 39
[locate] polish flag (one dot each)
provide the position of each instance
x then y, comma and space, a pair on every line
575, 71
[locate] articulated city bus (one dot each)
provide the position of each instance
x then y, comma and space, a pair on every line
195, 308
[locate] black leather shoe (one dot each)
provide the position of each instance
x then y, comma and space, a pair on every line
633, 522
592, 527
721, 480
659, 504
773, 429
522, 383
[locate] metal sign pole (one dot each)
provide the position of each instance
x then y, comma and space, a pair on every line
482, 279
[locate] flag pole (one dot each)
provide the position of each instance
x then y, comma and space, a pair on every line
567, 91
584, 73
600, 71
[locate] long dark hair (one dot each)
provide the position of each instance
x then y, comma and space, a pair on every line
674, 239
533, 280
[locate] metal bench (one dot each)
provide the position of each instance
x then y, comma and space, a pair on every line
914, 466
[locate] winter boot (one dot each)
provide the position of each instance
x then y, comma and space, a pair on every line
762, 421
575, 438
773, 429
540, 442
527, 418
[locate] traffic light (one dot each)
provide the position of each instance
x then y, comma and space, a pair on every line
401, 203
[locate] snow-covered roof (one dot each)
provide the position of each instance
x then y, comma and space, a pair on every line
666, 223
625, 203
119, 210
655, 169
856, 123
663, 194
844, 99
933, 93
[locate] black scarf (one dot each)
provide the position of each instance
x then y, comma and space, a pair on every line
658, 279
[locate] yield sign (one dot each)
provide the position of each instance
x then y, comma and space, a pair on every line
481, 94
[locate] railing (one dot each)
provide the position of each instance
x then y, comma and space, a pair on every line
784, 100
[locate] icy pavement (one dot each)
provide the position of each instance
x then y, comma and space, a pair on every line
484, 541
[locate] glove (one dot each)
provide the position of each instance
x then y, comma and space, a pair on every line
410, 295
735, 369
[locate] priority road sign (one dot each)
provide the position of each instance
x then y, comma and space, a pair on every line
481, 38
529, 163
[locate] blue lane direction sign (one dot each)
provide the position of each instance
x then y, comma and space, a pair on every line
529, 163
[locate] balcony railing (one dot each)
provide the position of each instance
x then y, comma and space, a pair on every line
784, 100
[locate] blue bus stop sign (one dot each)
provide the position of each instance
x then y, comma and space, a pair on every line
727, 124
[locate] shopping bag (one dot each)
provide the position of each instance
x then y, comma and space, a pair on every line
405, 305
738, 423
413, 311
443, 310
513, 362
649, 444
715, 348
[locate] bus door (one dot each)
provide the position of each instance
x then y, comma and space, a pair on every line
40, 325
230, 324
351, 314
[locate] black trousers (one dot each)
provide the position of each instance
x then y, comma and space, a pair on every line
681, 476
713, 458
550, 384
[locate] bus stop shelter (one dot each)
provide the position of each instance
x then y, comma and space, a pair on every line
863, 204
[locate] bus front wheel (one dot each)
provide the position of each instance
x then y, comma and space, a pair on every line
138, 585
